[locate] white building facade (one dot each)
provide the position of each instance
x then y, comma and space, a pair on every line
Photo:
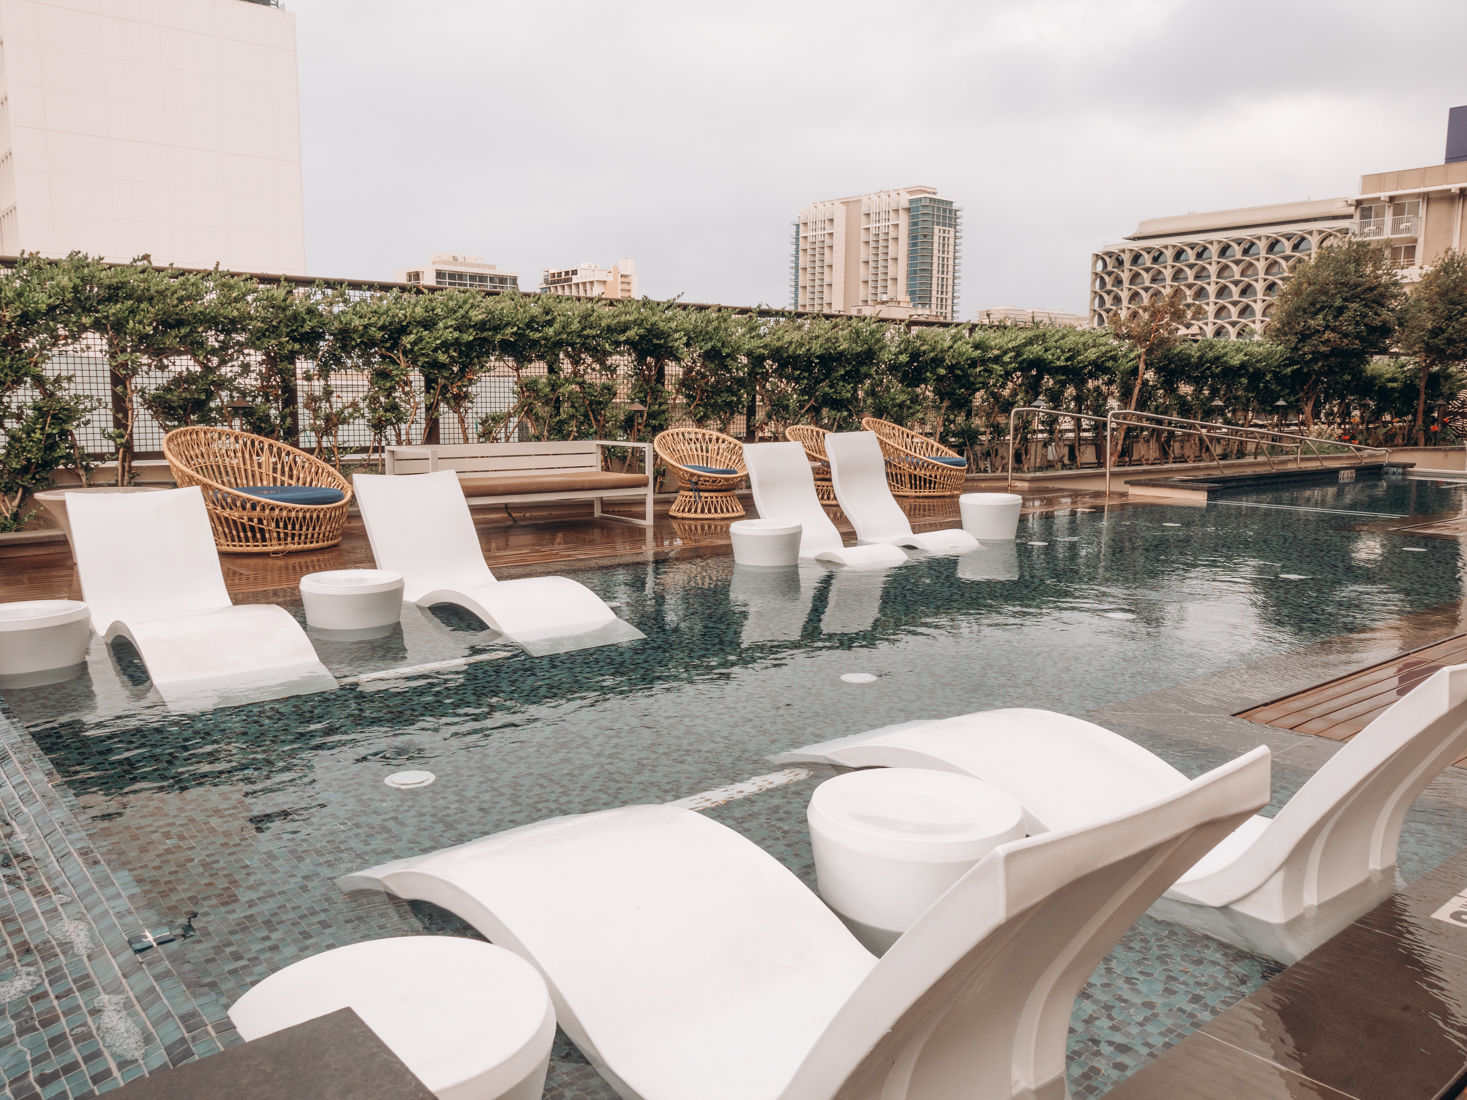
1230, 262
162, 127
889, 253
456, 269
591, 280
1028, 318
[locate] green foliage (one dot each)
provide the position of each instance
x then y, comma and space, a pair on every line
1434, 325
1338, 311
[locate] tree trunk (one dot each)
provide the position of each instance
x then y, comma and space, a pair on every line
1421, 407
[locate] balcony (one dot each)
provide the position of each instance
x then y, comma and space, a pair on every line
1370, 227
1406, 227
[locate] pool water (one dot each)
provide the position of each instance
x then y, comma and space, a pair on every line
234, 824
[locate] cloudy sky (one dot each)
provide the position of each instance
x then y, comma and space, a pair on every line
688, 136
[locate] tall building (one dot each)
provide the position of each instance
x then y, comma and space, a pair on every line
1230, 261
452, 269
592, 281
889, 253
138, 126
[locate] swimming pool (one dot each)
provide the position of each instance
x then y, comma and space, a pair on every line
231, 826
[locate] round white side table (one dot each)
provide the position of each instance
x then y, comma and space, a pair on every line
356, 601
765, 543
43, 641
991, 516
889, 842
471, 1020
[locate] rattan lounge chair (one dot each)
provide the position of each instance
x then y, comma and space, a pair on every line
420, 526
915, 465
262, 495
151, 574
813, 440
709, 467
1279, 886
856, 470
694, 948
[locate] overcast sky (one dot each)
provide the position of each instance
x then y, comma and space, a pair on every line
688, 136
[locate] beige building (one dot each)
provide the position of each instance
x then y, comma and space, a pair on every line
1231, 262
1033, 318
890, 253
134, 126
453, 269
1417, 212
592, 280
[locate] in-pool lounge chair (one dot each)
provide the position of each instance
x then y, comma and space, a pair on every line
691, 963
784, 491
858, 472
420, 527
150, 573
1280, 886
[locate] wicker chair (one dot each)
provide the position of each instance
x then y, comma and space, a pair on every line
914, 463
813, 440
700, 458
222, 462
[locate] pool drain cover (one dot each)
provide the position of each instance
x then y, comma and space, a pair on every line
859, 678
408, 781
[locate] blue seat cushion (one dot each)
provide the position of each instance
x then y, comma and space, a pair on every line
947, 461
294, 494
723, 470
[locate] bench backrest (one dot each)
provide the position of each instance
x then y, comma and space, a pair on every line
494, 458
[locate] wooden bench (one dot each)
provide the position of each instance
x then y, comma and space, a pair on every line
532, 473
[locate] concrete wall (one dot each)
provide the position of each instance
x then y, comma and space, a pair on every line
167, 127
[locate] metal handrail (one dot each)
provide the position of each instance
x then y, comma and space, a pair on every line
1206, 429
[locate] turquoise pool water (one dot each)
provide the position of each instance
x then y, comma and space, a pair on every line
244, 817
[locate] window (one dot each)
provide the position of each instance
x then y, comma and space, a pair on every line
415, 276
1138, 259
1137, 279
1180, 256
1158, 257
1224, 291
1302, 245
1247, 290
1221, 333
1403, 255
1180, 275
1372, 212
1204, 253
1275, 268
1246, 313
1227, 251
1201, 273
1247, 271
1158, 276
461, 278
1225, 272
1251, 249
1270, 290
1135, 299
1276, 248
1200, 295
1411, 208
1099, 264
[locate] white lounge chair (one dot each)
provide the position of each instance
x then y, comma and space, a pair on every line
784, 491
150, 573
700, 966
421, 527
1280, 886
858, 472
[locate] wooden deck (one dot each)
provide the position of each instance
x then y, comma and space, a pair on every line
1341, 708
512, 542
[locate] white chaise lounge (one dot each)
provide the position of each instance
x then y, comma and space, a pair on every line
691, 963
784, 492
421, 527
150, 573
1280, 886
858, 473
